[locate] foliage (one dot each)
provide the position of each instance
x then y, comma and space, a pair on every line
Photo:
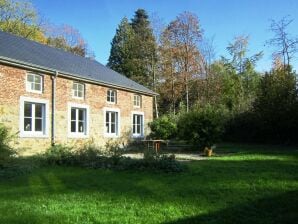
276, 106
121, 55
5, 138
144, 49
21, 18
202, 126
163, 127
58, 154
180, 59
133, 49
273, 116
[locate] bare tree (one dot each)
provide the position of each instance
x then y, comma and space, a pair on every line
67, 38
286, 44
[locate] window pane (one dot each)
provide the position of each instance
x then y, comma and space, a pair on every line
107, 128
37, 86
74, 86
27, 124
38, 124
107, 117
113, 117
134, 129
28, 110
81, 126
80, 87
30, 78
38, 110
37, 79
73, 126
80, 94
113, 128
73, 114
138, 129
81, 114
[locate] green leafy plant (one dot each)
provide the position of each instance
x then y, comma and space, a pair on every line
163, 128
6, 150
59, 154
202, 126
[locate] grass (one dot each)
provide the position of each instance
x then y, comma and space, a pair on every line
242, 184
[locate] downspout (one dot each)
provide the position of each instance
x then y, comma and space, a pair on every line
53, 107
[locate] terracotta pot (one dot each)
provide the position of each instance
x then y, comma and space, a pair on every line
208, 152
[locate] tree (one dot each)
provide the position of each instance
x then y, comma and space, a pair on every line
67, 38
21, 18
285, 43
182, 36
276, 106
121, 57
144, 49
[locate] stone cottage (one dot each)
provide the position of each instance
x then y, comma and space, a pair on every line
50, 96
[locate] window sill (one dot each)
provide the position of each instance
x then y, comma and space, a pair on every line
137, 136
78, 98
34, 91
33, 135
73, 135
106, 135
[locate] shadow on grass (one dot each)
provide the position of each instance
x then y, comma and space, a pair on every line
281, 209
207, 185
210, 176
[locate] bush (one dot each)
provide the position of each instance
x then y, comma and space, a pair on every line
59, 155
163, 128
5, 150
155, 162
202, 126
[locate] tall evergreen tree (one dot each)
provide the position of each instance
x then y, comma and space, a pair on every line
121, 59
144, 49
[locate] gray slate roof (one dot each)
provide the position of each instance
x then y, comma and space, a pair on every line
36, 54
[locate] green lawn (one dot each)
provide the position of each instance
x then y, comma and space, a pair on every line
243, 184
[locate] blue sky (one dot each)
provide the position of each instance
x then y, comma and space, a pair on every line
97, 20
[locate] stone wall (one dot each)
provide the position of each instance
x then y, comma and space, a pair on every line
13, 86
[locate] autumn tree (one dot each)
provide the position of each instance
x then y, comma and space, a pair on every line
182, 37
21, 18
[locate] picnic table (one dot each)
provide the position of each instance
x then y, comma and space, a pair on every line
154, 143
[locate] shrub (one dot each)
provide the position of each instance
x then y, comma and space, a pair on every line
155, 162
163, 128
5, 150
202, 126
59, 154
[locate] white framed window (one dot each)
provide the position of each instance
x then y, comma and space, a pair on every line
137, 124
78, 120
137, 100
78, 90
34, 83
111, 122
112, 96
33, 117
